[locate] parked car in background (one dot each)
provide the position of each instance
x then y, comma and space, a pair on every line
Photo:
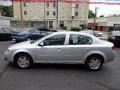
5, 34
62, 47
114, 37
46, 31
27, 34
98, 34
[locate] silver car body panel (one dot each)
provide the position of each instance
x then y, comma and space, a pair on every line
62, 53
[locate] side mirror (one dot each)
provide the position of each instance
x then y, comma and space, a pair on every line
41, 44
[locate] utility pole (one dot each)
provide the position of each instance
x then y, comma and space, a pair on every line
21, 14
86, 5
44, 14
12, 8
57, 14
95, 20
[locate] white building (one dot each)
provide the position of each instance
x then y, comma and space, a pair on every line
105, 23
69, 14
5, 21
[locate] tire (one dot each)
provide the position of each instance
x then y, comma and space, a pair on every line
94, 63
28, 39
23, 61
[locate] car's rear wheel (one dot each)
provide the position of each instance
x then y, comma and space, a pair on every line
94, 63
23, 61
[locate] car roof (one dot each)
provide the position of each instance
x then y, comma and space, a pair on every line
72, 32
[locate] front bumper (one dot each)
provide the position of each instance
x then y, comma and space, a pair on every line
8, 56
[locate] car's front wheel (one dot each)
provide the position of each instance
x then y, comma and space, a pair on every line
94, 63
23, 61
28, 39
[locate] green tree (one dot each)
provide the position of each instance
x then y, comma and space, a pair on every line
6, 11
91, 14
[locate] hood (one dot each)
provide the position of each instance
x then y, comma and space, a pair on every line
25, 44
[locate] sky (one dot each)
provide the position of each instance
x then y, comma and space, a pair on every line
106, 10
102, 9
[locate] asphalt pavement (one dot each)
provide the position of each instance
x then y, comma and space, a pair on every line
58, 76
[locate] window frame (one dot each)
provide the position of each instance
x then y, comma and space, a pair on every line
24, 4
47, 4
54, 13
53, 36
77, 5
76, 13
54, 5
47, 13
25, 12
80, 35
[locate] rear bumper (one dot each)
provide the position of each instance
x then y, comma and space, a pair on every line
111, 56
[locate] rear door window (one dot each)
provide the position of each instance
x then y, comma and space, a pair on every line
75, 39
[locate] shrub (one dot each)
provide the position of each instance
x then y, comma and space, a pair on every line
75, 29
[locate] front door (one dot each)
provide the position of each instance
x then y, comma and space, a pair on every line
52, 49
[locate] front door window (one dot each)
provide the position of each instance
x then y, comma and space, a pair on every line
55, 40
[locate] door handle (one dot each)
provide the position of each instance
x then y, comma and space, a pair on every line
60, 49
86, 49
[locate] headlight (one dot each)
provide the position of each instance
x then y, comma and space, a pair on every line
8, 50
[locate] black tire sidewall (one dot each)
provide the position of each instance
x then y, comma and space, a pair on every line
88, 60
29, 58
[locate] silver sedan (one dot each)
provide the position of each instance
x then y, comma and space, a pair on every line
62, 47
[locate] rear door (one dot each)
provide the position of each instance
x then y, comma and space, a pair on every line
77, 47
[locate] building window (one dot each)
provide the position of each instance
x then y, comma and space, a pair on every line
47, 13
76, 13
25, 12
54, 13
47, 4
77, 5
50, 24
54, 4
24, 4
61, 24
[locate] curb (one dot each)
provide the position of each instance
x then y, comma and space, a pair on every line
5, 42
3, 66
